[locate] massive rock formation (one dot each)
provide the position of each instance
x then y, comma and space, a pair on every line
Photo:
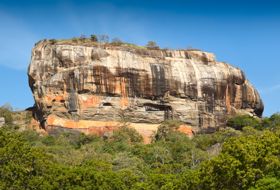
94, 88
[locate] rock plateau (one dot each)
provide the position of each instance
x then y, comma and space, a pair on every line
94, 88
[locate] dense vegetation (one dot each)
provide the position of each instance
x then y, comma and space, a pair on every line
248, 158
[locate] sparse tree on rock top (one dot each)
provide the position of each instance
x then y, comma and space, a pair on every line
103, 38
83, 37
93, 38
152, 45
116, 41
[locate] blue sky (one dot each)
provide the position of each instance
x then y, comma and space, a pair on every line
243, 33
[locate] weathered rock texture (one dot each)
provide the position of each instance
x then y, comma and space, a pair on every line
95, 88
2, 121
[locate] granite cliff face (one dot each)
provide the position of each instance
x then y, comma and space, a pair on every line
2, 121
95, 88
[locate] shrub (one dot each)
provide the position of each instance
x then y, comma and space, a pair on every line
49, 140
6, 112
75, 39
52, 41
21, 165
267, 183
116, 41
83, 37
152, 45
103, 38
272, 122
242, 162
166, 128
205, 141
93, 38
127, 134
241, 121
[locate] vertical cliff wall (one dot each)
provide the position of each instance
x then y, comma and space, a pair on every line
92, 88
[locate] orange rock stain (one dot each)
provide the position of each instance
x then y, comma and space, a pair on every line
102, 127
89, 101
50, 98
186, 130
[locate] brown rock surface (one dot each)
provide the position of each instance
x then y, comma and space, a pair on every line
2, 121
93, 88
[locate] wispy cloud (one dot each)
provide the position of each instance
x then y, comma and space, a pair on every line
18, 35
105, 18
270, 89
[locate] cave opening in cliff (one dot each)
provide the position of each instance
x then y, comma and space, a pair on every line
107, 104
168, 112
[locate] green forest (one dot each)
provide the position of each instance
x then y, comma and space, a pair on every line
243, 155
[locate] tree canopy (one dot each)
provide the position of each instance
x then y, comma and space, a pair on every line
247, 158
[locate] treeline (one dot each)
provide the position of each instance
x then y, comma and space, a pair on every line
247, 158
105, 39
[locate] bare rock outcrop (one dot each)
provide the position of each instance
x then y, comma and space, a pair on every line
2, 121
95, 88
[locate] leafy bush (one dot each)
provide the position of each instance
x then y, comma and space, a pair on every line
6, 112
126, 134
240, 121
83, 38
75, 39
93, 38
272, 122
267, 183
243, 161
52, 41
246, 159
152, 45
21, 165
166, 128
